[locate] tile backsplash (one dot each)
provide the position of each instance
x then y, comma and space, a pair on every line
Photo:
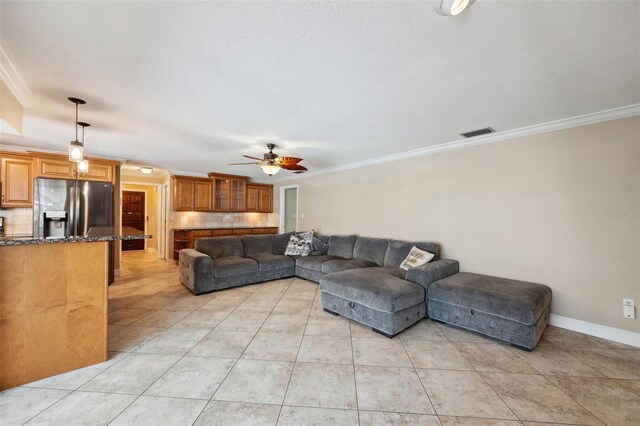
17, 222
223, 220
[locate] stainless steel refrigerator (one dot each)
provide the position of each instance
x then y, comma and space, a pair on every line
69, 208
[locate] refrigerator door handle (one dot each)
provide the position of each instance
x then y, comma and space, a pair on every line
72, 211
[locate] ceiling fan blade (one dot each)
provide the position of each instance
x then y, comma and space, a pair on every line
241, 164
289, 160
293, 167
253, 158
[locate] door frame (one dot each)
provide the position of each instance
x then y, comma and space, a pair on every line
160, 251
146, 200
282, 190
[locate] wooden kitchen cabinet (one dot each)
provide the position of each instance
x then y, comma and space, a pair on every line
259, 198
98, 171
59, 167
265, 199
186, 238
202, 200
16, 181
229, 193
192, 194
55, 168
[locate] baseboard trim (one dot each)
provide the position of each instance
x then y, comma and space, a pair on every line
597, 330
171, 261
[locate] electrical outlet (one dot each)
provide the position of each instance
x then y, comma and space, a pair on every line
627, 302
629, 312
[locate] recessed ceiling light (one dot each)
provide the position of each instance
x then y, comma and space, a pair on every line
454, 7
146, 170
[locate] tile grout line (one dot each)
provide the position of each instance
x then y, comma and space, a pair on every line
241, 354
284, 398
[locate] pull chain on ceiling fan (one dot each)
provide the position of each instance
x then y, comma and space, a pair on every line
271, 163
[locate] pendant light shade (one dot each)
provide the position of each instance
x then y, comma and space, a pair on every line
83, 164
76, 147
76, 151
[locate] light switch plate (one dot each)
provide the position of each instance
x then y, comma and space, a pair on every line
629, 312
627, 302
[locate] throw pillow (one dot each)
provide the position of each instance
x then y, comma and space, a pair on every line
415, 258
299, 245
318, 246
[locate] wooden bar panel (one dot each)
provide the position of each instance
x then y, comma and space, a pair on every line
53, 309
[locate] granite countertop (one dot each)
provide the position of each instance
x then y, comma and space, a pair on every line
206, 228
96, 234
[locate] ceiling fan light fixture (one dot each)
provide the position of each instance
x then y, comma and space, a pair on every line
270, 169
454, 7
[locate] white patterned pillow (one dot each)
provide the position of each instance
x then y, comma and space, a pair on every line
415, 258
299, 245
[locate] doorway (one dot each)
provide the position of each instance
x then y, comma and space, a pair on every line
289, 208
133, 215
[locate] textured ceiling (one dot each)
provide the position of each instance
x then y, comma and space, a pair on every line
192, 86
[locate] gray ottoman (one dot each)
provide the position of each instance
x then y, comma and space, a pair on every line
513, 311
374, 297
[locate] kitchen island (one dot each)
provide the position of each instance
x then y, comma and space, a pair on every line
53, 303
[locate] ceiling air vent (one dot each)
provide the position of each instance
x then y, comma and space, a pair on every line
478, 132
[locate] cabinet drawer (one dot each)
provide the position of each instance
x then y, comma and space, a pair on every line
241, 231
265, 230
221, 232
203, 233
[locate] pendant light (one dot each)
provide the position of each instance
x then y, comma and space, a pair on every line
83, 165
76, 147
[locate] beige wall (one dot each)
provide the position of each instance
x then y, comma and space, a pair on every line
536, 208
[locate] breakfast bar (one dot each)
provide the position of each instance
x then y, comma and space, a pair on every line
53, 303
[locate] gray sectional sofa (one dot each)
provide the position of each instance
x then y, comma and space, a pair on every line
360, 278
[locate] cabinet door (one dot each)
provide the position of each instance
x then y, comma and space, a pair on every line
202, 196
252, 198
222, 194
265, 197
238, 195
98, 172
55, 168
183, 191
16, 182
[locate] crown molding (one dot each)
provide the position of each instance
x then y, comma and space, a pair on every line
187, 173
14, 82
565, 123
24, 150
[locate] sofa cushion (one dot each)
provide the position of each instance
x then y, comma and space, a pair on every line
220, 246
397, 272
399, 250
373, 288
337, 265
313, 262
373, 249
319, 244
257, 244
342, 246
518, 301
280, 242
233, 265
272, 262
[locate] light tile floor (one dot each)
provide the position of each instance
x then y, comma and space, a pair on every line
268, 354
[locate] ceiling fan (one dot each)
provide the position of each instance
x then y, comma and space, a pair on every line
271, 163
